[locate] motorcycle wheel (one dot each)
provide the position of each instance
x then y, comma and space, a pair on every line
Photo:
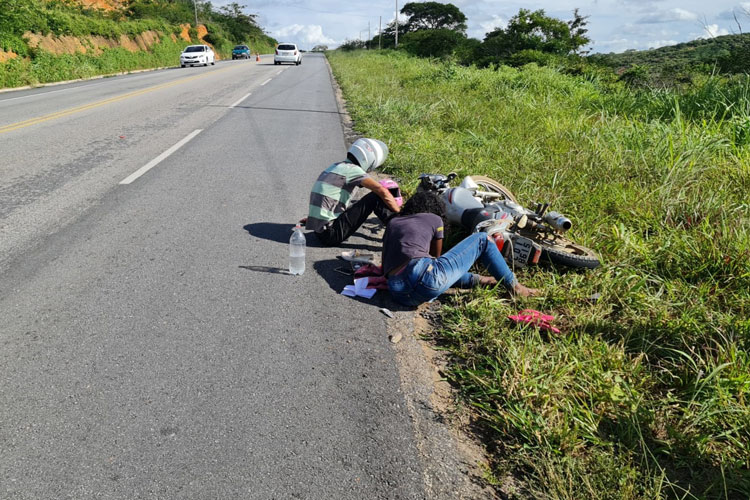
566, 253
493, 186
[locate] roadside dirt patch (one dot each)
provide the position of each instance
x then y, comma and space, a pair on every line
101, 4
57, 45
202, 31
185, 33
128, 44
99, 42
94, 44
7, 56
147, 39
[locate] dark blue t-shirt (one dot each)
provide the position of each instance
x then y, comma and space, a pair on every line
409, 237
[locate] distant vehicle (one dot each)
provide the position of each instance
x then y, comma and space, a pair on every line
197, 54
241, 52
287, 52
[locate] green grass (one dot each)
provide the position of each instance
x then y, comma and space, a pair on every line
645, 392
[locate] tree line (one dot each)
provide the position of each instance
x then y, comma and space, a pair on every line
438, 30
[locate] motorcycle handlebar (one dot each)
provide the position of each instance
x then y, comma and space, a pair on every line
557, 221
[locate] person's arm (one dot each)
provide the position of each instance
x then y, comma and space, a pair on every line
436, 247
383, 193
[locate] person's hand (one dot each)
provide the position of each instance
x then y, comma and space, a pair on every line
303, 221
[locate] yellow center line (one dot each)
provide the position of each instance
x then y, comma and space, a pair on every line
66, 112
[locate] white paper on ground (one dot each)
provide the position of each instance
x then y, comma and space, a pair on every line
359, 289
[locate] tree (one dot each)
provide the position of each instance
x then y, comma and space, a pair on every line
578, 32
535, 31
389, 36
433, 16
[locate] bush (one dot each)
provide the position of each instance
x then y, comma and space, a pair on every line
438, 43
528, 56
468, 51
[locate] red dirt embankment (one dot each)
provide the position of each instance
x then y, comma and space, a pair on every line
94, 44
7, 56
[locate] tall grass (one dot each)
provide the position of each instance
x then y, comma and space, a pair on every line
645, 393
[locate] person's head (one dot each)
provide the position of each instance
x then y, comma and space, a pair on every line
368, 153
424, 202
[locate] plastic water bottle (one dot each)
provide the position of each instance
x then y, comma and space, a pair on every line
297, 245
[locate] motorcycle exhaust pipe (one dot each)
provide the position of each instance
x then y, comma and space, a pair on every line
558, 221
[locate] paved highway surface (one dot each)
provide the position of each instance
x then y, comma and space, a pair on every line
150, 344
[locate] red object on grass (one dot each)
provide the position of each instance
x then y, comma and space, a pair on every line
536, 318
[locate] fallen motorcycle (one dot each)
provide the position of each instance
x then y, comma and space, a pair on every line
524, 236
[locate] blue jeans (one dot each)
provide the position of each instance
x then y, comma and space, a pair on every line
424, 278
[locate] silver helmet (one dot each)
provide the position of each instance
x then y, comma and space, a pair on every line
369, 153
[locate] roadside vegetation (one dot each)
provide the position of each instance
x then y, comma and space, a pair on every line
225, 27
645, 393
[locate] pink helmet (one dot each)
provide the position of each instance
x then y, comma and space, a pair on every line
392, 186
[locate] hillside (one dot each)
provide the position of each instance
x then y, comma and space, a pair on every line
729, 54
45, 41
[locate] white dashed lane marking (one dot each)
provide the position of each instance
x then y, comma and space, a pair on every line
159, 158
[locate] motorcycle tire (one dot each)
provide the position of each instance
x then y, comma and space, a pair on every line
493, 186
567, 253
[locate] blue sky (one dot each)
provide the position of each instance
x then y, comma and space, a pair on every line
614, 25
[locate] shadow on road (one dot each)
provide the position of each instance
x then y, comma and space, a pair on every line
337, 281
265, 269
280, 233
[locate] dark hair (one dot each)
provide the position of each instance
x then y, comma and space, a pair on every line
352, 159
424, 202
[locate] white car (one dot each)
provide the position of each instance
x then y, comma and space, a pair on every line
287, 52
197, 54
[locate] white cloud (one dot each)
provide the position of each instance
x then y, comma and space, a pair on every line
655, 44
486, 26
311, 34
668, 16
713, 30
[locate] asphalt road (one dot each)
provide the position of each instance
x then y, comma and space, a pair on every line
150, 344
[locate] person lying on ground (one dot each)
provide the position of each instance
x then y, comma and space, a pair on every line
328, 215
412, 260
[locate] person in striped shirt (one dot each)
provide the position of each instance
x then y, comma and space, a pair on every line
329, 215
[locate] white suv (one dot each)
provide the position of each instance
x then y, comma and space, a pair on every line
287, 52
197, 54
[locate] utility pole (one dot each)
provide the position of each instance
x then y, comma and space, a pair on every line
195, 8
380, 33
396, 44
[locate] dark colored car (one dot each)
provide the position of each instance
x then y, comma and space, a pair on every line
241, 52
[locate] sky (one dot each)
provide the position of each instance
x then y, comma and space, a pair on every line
614, 25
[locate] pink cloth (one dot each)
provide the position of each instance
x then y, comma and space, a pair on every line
534, 317
375, 273
368, 270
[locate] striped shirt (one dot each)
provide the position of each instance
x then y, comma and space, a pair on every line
331, 192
